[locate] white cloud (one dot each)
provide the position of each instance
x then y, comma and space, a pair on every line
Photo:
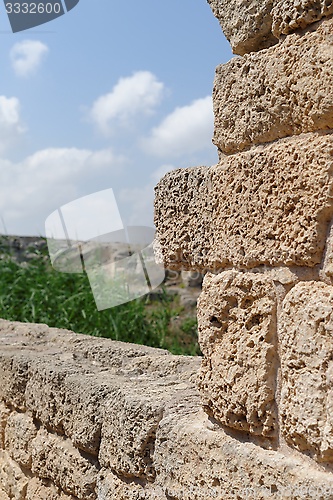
26, 56
30, 190
140, 201
135, 95
11, 127
186, 130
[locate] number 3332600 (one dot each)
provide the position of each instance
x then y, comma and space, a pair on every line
33, 8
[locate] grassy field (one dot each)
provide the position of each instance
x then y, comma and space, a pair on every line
35, 292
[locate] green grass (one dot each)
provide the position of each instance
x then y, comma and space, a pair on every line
36, 293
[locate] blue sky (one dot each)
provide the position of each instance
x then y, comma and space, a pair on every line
110, 95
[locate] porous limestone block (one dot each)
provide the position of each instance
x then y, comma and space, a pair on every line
68, 399
4, 413
247, 24
306, 340
283, 91
130, 422
111, 487
291, 15
250, 25
14, 377
198, 460
268, 206
13, 481
3, 495
237, 336
327, 268
55, 458
19, 433
44, 490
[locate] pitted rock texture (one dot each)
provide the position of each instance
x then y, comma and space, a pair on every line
267, 206
194, 457
283, 91
20, 431
110, 487
246, 24
291, 15
237, 335
197, 460
44, 490
250, 25
306, 337
54, 457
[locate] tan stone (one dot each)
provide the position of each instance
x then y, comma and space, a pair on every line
55, 458
4, 412
14, 377
68, 400
111, 487
268, 206
291, 15
198, 460
130, 423
246, 24
68, 377
327, 268
44, 490
306, 338
250, 25
12, 479
283, 91
3, 495
237, 335
20, 431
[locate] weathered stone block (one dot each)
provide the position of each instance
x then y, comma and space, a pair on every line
247, 24
4, 413
111, 487
291, 15
14, 377
306, 337
130, 422
68, 400
197, 459
268, 206
44, 490
237, 335
250, 25
19, 433
3, 495
283, 91
12, 479
55, 458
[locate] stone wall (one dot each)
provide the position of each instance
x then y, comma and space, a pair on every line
86, 418
259, 225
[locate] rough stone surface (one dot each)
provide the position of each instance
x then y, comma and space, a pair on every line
20, 431
3, 495
306, 336
132, 417
198, 460
268, 206
291, 15
4, 412
327, 268
246, 24
237, 335
111, 487
193, 457
250, 25
44, 490
55, 458
283, 91
13, 481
